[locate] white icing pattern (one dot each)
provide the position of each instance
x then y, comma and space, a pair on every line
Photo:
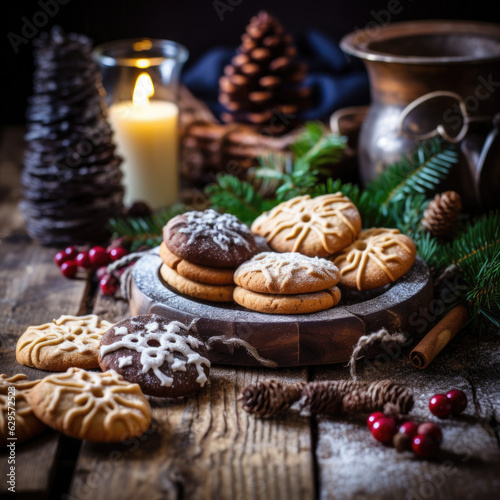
223, 229
125, 361
166, 342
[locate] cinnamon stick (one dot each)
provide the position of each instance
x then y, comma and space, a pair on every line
439, 337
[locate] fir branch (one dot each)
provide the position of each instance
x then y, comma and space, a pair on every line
232, 195
420, 173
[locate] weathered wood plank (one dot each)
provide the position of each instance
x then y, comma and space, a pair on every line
203, 447
32, 291
351, 464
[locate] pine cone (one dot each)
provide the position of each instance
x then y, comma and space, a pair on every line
264, 78
441, 215
270, 398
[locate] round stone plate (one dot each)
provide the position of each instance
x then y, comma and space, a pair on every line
289, 340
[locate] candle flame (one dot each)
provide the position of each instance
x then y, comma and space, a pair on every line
143, 90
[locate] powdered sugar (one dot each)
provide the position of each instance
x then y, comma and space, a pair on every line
223, 229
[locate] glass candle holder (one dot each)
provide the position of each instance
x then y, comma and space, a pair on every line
141, 79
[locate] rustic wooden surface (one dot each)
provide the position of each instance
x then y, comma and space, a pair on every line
206, 446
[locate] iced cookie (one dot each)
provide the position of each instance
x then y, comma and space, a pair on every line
209, 239
317, 227
212, 293
101, 407
195, 272
378, 257
70, 341
286, 273
17, 419
166, 359
287, 304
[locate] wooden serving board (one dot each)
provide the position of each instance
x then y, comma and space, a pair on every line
289, 340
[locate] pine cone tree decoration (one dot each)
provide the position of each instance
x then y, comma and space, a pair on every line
264, 78
71, 179
441, 215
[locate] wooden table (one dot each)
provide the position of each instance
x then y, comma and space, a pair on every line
207, 447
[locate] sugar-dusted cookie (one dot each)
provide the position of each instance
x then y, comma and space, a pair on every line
195, 272
17, 419
101, 407
212, 293
209, 239
287, 304
166, 359
378, 257
66, 342
286, 273
317, 227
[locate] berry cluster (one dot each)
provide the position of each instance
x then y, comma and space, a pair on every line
424, 439
96, 259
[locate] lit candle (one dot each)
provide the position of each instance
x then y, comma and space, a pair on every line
146, 134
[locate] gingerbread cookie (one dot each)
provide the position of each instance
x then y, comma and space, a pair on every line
99, 407
165, 358
17, 419
286, 273
212, 293
70, 341
378, 257
209, 239
317, 227
194, 272
287, 304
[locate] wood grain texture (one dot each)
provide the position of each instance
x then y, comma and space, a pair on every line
351, 464
32, 291
204, 447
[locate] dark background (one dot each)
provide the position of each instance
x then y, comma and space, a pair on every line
197, 25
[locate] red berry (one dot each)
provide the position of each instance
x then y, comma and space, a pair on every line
424, 446
432, 430
71, 252
83, 260
440, 406
373, 418
117, 253
60, 257
108, 284
101, 272
98, 256
69, 268
383, 429
458, 401
409, 428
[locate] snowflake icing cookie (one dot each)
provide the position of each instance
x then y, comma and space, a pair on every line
99, 407
378, 257
317, 227
165, 358
27, 425
286, 273
209, 239
70, 341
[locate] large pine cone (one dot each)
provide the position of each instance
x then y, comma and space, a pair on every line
441, 215
264, 79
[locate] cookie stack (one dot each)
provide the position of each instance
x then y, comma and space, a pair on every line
71, 180
286, 283
201, 251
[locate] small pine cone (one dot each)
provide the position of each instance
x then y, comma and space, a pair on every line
440, 216
264, 79
326, 397
270, 398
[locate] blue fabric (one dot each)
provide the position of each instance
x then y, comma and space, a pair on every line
336, 79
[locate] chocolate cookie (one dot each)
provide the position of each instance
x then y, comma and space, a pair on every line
209, 239
166, 359
378, 257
